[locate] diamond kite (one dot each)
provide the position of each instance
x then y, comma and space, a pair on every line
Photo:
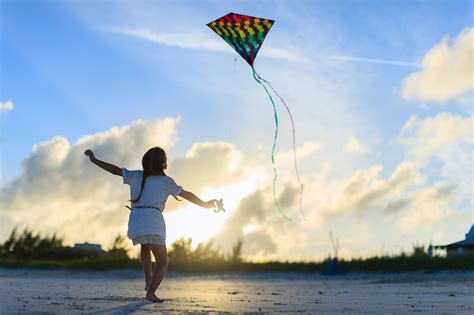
246, 34
243, 33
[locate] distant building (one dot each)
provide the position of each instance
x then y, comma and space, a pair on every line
87, 247
465, 246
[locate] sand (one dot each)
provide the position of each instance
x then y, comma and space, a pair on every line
121, 292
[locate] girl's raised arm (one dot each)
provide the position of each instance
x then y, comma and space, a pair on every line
189, 196
104, 165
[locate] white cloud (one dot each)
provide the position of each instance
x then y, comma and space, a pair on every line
367, 201
442, 136
305, 151
201, 40
447, 71
353, 145
443, 147
365, 191
424, 208
258, 211
6, 106
210, 164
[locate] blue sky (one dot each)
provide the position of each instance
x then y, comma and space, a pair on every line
75, 68
80, 80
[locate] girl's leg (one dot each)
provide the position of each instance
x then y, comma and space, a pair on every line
145, 257
161, 257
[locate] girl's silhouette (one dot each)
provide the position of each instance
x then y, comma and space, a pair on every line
149, 190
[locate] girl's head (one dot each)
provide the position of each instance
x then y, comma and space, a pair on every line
154, 162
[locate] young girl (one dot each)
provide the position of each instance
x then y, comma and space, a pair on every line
149, 191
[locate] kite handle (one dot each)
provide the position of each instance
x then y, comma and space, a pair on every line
219, 206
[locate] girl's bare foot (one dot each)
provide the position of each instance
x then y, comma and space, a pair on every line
161, 300
153, 298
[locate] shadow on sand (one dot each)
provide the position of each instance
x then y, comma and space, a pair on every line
129, 308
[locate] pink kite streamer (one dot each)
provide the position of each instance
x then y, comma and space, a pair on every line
294, 142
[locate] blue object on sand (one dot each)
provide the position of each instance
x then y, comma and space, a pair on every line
333, 268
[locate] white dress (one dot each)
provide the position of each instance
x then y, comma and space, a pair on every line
146, 223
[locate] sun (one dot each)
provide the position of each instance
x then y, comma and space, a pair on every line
202, 224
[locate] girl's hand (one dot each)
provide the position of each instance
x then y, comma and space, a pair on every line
215, 204
90, 154
210, 203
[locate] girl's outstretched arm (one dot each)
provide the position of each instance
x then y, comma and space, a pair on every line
104, 165
189, 196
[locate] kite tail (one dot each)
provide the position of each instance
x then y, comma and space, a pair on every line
275, 175
294, 142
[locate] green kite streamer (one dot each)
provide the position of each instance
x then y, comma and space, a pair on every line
294, 142
275, 175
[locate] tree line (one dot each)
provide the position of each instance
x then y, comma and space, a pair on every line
27, 249
27, 245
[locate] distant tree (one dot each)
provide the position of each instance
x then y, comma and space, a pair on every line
119, 248
236, 255
419, 251
181, 250
7, 248
28, 245
207, 252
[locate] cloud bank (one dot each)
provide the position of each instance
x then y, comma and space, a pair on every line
60, 191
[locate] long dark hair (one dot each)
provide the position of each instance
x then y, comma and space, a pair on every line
153, 163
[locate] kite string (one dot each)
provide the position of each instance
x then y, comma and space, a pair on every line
275, 175
294, 142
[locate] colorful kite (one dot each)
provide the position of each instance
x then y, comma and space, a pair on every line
246, 35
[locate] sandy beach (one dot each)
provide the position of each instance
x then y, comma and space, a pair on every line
121, 292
